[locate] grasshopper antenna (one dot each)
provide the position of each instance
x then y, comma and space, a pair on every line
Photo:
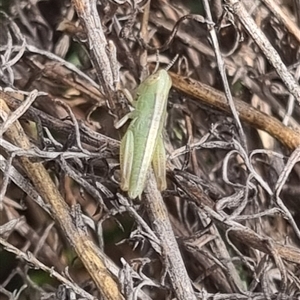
157, 62
170, 65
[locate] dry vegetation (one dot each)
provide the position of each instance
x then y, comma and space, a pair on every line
227, 227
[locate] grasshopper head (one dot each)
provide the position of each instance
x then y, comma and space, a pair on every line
160, 79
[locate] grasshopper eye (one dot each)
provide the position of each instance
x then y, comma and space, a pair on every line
154, 78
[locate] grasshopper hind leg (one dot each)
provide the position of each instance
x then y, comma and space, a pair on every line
126, 159
159, 164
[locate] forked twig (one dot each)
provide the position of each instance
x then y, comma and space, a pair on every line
85, 248
263, 43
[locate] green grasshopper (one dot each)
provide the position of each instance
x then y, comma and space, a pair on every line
143, 141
